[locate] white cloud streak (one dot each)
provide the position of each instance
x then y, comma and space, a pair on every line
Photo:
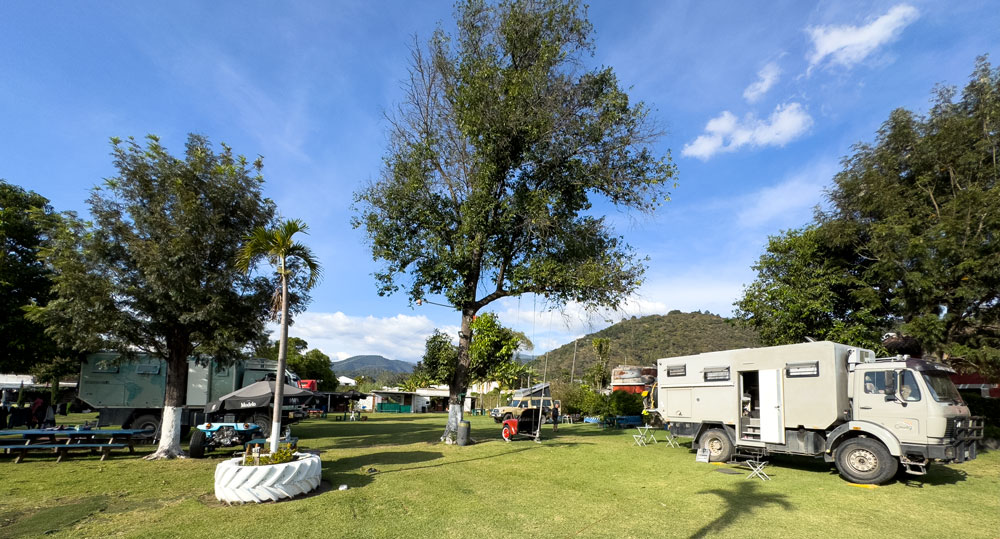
767, 77
341, 336
727, 133
848, 45
788, 203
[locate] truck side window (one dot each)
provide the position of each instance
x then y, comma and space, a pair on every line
908, 388
880, 382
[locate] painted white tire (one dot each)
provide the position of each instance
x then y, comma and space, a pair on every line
244, 484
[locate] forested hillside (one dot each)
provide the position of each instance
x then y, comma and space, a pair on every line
641, 341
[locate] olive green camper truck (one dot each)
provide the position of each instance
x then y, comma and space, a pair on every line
822, 399
130, 393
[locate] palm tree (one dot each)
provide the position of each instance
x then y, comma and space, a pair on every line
287, 257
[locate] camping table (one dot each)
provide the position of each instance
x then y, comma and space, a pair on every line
61, 441
644, 437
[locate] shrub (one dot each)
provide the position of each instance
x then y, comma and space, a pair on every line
624, 403
278, 457
595, 404
983, 406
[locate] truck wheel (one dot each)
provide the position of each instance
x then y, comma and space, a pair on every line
196, 448
865, 461
147, 422
263, 422
720, 449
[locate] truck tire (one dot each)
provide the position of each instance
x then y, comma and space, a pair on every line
720, 448
865, 461
196, 448
264, 422
146, 422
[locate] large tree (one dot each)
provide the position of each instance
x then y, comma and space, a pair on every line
912, 232
24, 279
810, 284
495, 160
156, 270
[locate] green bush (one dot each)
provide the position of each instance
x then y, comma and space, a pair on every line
983, 406
624, 403
597, 405
572, 397
278, 457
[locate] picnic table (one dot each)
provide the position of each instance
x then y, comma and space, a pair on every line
60, 441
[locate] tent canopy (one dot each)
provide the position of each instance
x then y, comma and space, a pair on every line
258, 395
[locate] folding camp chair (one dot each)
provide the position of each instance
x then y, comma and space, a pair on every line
671, 439
757, 469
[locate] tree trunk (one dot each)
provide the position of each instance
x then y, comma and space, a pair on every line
173, 407
279, 381
459, 380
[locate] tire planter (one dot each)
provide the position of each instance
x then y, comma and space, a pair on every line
244, 484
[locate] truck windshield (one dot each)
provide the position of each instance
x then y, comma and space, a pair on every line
942, 388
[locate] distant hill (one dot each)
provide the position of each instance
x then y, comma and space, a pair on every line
641, 341
370, 366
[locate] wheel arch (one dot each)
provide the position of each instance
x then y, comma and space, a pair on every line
855, 429
705, 427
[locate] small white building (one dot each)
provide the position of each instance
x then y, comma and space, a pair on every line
425, 399
345, 381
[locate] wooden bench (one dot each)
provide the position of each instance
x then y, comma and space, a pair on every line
62, 449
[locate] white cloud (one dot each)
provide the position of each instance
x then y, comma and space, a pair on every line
766, 78
848, 45
727, 133
788, 203
341, 336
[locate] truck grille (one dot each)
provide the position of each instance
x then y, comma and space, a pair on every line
964, 428
949, 429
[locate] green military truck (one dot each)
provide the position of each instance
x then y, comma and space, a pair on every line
130, 393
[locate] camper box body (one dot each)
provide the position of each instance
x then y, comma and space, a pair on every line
131, 392
713, 387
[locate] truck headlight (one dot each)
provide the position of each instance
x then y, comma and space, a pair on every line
949, 452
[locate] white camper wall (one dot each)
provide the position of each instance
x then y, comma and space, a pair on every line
811, 401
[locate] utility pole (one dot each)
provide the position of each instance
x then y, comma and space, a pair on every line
572, 370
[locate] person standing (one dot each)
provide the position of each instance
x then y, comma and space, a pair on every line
555, 417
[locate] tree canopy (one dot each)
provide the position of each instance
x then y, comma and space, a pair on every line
307, 364
24, 280
156, 270
909, 242
492, 354
495, 161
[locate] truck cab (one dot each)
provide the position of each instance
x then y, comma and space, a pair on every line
915, 401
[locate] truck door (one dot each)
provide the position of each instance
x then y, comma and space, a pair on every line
899, 414
772, 414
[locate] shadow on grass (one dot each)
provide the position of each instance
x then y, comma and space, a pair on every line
743, 500
936, 476
51, 519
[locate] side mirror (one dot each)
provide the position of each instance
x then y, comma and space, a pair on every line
890, 398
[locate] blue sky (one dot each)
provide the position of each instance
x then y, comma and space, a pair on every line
759, 102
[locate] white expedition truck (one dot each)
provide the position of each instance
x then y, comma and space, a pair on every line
822, 399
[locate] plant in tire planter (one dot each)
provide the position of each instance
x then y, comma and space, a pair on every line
239, 483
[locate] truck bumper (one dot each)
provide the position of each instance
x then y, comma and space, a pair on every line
965, 433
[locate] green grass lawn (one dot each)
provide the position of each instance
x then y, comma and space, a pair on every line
580, 481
